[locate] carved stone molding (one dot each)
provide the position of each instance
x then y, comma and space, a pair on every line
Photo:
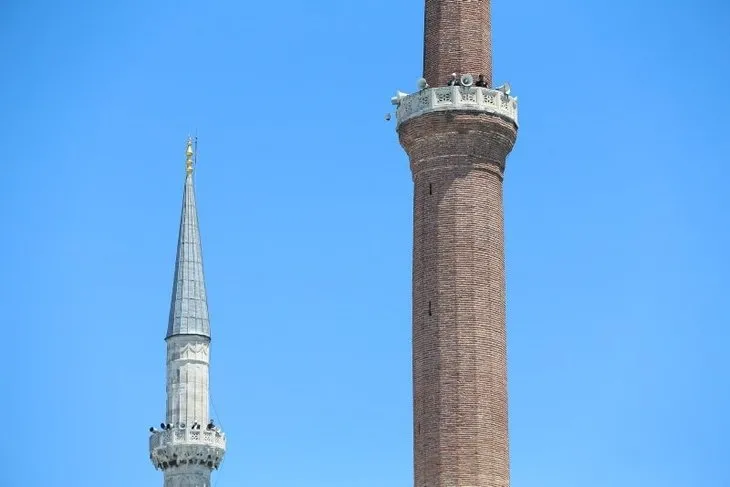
197, 350
187, 447
457, 98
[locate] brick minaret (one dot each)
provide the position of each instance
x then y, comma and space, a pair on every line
457, 135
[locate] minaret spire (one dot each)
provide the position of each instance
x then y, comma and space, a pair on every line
188, 445
189, 307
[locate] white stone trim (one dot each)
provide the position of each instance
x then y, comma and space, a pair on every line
187, 435
444, 98
179, 447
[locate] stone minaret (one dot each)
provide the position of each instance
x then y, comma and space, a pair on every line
188, 445
458, 130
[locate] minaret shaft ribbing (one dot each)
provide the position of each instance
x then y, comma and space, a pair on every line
459, 360
458, 139
187, 379
458, 39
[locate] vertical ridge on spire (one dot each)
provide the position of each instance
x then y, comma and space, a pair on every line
189, 306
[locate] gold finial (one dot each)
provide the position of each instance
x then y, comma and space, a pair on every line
189, 157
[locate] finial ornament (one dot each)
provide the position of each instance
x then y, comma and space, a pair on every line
189, 157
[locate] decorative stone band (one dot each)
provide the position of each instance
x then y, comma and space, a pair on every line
457, 98
171, 448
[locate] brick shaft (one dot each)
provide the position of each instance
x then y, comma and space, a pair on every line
458, 39
459, 341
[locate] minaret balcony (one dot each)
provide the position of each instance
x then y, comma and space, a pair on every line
456, 98
185, 446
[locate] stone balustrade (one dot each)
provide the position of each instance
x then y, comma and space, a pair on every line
444, 98
187, 436
179, 447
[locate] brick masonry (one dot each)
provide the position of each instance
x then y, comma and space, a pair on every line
459, 341
458, 39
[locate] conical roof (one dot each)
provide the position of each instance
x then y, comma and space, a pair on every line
189, 306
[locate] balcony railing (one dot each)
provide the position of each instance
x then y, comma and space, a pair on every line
187, 436
444, 98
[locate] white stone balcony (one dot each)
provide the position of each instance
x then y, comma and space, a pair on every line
177, 446
462, 98
187, 436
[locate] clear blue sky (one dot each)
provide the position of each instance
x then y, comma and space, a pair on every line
617, 236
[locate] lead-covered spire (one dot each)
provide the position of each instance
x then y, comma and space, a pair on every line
189, 307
